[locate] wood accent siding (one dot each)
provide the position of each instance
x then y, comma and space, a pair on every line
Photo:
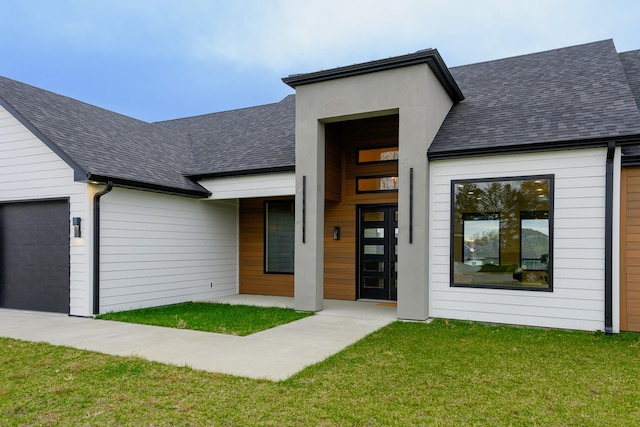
343, 139
253, 279
630, 250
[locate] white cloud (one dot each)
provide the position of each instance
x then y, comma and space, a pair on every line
299, 36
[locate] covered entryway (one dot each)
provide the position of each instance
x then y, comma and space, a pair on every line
378, 252
34, 255
630, 250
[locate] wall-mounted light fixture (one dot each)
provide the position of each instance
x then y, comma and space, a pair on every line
77, 232
336, 233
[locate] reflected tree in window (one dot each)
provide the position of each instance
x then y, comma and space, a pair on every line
501, 232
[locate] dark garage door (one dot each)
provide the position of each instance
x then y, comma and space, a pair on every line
34, 256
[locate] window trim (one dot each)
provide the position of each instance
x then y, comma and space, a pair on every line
454, 184
265, 225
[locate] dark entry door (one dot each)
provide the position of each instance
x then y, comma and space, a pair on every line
34, 256
378, 252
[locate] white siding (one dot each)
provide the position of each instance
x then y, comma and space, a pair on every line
577, 300
159, 249
241, 187
29, 170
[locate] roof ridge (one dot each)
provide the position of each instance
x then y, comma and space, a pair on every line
224, 111
507, 58
69, 98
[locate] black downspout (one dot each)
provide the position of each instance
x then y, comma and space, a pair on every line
608, 242
96, 246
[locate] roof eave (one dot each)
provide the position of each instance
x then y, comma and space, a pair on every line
246, 172
430, 57
138, 185
534, 147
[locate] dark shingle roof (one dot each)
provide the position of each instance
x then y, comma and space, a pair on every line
631, 63
562, 95
555, 99
100, 143
246, 140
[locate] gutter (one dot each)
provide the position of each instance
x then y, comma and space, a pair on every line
139, 185
608, 241
96, 246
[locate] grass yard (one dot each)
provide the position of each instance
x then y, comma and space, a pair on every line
443, 373
210, 317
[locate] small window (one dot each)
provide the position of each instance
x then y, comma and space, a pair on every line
502, 233
377, 155
279, 237
377, 184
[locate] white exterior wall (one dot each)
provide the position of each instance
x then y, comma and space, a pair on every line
577, 300
160, 249
30, 171
241, 187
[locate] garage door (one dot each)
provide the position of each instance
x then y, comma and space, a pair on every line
630, 250
34, 256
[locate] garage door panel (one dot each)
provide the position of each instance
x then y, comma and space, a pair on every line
34, 256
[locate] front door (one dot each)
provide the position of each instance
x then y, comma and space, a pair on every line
378, 252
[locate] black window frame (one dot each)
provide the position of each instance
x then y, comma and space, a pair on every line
265, 251
452, 220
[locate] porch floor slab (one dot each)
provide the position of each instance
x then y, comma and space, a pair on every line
274, 354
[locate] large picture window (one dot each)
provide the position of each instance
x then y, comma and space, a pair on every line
501, 233
279, 239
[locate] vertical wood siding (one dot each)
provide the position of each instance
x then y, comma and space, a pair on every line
342, 141
160, 249
577, 300
253, 279
29, 170
630, 250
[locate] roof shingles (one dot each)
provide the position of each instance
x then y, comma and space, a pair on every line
104, 143
249, 139
561, 96
568, 94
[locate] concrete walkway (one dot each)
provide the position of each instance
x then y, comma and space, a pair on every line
274, 354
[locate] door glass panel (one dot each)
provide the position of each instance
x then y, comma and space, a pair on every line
373, 282
373, 216
374, 249
395, 216
373, 266
396, 250
373, 233
377, 266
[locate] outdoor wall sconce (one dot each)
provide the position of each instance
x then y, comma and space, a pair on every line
76, 227
336, 233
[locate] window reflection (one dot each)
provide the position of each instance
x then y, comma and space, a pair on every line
501, 233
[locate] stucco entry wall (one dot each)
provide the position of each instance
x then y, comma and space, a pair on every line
417, 96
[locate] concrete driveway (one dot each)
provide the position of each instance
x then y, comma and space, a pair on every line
274, 354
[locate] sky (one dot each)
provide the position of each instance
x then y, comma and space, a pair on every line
164, 59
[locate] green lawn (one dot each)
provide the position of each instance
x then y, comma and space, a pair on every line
210, 317
443, 373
